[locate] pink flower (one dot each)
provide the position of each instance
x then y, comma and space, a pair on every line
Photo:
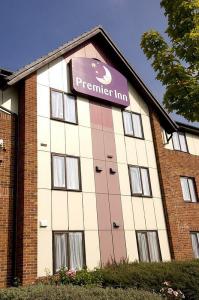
71, 273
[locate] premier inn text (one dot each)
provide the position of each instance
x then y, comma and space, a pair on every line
100, 89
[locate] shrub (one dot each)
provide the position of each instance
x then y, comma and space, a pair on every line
65, 276
48, 292
183, 276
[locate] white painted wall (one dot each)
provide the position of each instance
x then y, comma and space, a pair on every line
9, 99
139, 213
77, 211
192, 142
64, 210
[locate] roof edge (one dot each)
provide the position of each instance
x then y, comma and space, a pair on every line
188, 128
14, 78
35, 65
7, 111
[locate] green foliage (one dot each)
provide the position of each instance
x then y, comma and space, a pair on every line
177, 63
64, 277
183, 276
48, 292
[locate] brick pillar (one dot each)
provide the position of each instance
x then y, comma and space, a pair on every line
7, 185
26, 252
181, 217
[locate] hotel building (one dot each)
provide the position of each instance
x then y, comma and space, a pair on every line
93, 169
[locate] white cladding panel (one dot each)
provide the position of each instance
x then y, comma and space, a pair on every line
77, 210
9, 99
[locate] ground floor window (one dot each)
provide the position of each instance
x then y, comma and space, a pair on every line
195, 243
148, 246
68, 250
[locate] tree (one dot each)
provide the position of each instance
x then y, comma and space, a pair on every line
177, 63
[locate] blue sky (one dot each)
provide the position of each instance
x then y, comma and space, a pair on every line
32, 28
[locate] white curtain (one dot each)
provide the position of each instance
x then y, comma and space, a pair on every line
143, 249
183, 144
59, 171
195, 244
145, 182
192, 190
128, 127
185, 188
57, 105
176, 143
135, 180
153, 246
76, 251
60, 247
69, 108
137, 125
72, 173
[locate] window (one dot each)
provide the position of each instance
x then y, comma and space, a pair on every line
133, 124
66, 172
148, 246
139, 181
188, 189
179, 141
195, 243
63, 107
68, 250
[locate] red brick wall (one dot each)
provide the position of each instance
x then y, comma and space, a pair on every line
27, 183
7, 175
181, 217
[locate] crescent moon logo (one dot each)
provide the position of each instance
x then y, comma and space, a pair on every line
107, 78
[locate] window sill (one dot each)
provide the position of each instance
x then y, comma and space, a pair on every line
65, 190
135, 137
143, 196
191, 202
63, 121
180, 151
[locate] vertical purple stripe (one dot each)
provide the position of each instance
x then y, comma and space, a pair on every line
109, 209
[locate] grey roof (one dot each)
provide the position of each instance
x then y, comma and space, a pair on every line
188, 128
35, 65
99, 34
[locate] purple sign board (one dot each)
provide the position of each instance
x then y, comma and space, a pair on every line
91, 77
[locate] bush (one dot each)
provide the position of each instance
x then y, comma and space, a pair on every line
150, 276
48, 292
81, 278
181, 276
